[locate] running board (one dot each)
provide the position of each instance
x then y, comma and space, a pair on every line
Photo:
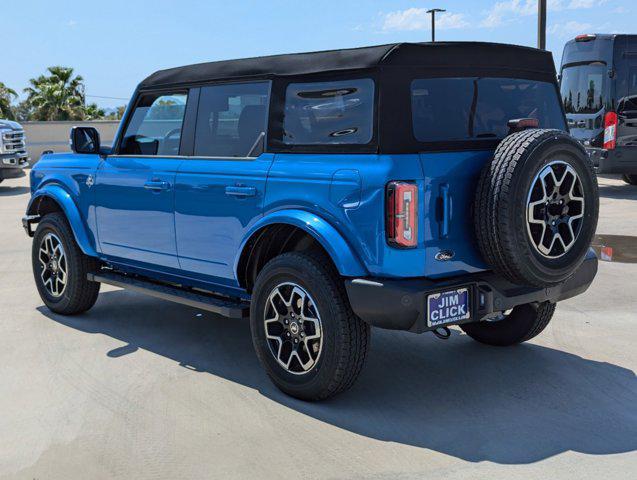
211, 303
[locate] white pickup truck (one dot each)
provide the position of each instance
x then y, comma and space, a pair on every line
13, 152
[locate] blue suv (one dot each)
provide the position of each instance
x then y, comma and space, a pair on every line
403, 186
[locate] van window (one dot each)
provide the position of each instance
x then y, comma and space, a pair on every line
630, 101
455, 109
582, 88
155, 125
329, 113
232, 119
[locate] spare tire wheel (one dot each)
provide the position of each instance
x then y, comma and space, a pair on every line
536, 207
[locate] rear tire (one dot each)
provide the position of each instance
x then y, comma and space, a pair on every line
60, 268
630, 178
523, 323
323, 365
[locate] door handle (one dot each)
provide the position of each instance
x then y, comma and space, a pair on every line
239, 191
445, 210
157, 185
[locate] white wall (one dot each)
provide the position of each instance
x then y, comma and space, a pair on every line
54, 136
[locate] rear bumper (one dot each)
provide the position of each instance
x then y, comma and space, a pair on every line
619, 160
401, 304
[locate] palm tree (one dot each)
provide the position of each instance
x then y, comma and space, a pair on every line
93, 112
6, 98
57, 96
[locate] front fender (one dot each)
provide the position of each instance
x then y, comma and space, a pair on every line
343, 256
66, 203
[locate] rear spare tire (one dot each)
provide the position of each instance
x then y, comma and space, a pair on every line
536, 207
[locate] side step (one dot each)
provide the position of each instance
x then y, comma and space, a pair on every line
212, 303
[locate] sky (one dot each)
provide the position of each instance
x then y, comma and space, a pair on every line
114, 44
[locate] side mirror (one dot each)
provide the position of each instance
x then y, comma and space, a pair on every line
85, 140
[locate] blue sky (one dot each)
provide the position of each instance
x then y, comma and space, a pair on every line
114, 44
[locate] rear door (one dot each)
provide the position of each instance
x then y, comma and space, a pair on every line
464, 119
134, 190
220, 188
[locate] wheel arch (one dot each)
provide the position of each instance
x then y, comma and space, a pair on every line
54, 198
293, 230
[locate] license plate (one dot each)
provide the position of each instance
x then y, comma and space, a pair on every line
448, 307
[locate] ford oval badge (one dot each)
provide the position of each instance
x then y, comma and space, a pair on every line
444, 255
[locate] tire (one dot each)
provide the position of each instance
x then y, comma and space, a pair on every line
630, 178
526, 165
337, 357
523, 323
76, 294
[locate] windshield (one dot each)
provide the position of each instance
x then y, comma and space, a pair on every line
473, 108
582, 88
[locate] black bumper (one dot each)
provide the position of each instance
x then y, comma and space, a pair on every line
619, 160
401, 304
15, 172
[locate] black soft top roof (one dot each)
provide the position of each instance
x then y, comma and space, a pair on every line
437, 57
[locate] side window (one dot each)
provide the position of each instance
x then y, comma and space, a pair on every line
631, 100
328, 113
232, 119
155, 125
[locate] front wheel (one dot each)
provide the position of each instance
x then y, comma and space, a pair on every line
304, 331
519, 325
60, 268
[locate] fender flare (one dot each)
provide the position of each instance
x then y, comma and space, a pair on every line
345, 259
70, 210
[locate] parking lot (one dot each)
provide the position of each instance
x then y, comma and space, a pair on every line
141, 388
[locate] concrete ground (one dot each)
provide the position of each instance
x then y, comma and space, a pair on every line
140, 388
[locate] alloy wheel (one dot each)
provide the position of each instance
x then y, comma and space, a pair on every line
53, 265
555, 209
293, 328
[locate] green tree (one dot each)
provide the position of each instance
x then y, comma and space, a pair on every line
57, 96
93, 112
7, 96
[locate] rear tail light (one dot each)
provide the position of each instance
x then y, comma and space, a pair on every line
610, 130
402, 214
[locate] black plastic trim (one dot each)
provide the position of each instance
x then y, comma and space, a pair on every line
401, 304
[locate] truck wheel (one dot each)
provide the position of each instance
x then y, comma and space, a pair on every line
60, 268
304, 332
536, 207
521, 324
630, 178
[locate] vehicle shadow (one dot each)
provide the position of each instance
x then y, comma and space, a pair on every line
6, 191
509, 406
619, 192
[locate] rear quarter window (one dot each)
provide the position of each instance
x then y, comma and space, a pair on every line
329, 113
472, 108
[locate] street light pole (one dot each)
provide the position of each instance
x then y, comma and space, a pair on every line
433, 12
541, 24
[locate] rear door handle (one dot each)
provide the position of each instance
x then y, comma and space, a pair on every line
238, 191
445, 210
157, 185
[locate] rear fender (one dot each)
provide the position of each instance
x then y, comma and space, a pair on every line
345, 259
66, 203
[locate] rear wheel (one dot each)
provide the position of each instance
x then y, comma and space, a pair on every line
519, 325
60, 268
303, 329
630, 178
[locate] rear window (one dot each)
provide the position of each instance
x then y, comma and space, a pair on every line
582, 88
329, 113
456, 109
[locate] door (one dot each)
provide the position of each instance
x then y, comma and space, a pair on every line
134, 190
220, 189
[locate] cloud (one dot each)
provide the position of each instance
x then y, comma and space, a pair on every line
419, 19
568, 29
507, 11
71, 23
